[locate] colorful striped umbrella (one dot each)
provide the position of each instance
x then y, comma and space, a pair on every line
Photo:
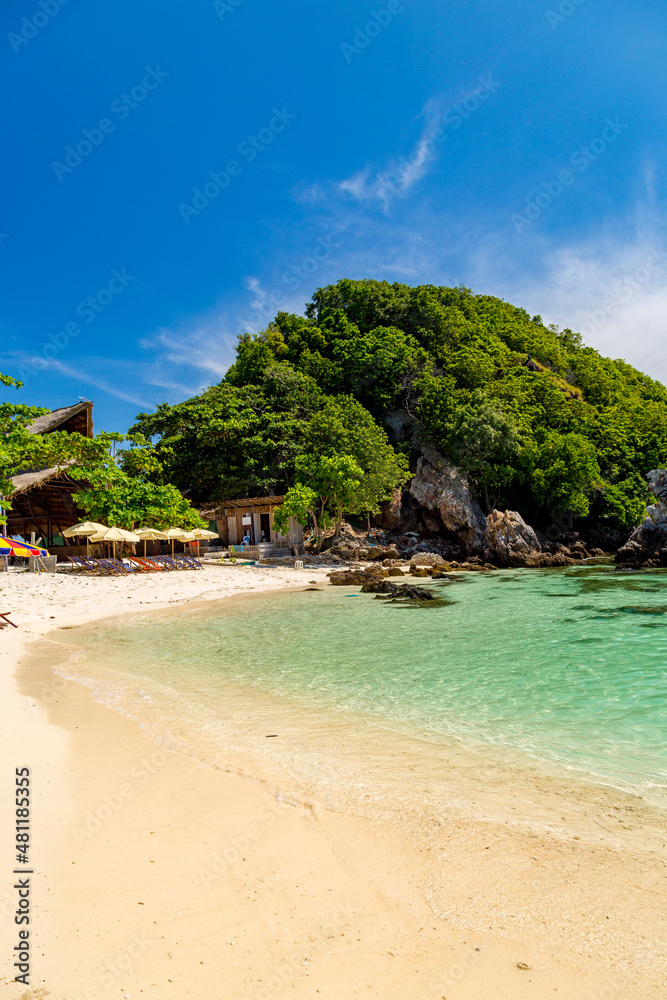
10, 547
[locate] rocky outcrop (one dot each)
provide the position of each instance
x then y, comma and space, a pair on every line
402, 591
427, 559
391, 517
353, 550
357, 577
647, 545
510, 540
657, 483
443, 492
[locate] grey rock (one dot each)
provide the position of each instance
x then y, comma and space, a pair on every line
402, 591
443, 490
392, 512
648, 540
510, 539
657, 483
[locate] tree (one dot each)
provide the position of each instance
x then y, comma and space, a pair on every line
488, 383
566, 472
115, 498
234, 440
19, 449
333, 484
348, 467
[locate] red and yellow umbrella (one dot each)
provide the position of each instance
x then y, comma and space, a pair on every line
9, 547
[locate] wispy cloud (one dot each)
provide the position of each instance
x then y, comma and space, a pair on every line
400, 174
397, 178
614, 293
308, 194
86, 378
189, 356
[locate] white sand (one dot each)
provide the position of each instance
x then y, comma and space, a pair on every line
156, 876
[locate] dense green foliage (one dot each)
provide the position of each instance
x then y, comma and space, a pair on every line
113, 497
123, 496
347, 467
20, 450
540, 422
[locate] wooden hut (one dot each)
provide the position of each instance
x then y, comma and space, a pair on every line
43, 500
252, 518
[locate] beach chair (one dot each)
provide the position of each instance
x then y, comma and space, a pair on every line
124, 567
159, 562
111, 566
169, 563
146, 564
4, 620
79, 562
187, 562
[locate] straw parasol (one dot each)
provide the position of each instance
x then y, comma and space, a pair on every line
200, 533
86, 528
150, 535
114, 535
173, 533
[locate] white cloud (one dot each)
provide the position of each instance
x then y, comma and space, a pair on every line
87, 378
613, 292
401, 174
308, 194
190, 356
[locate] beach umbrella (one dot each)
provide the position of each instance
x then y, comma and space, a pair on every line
150, 535
173, 533
114, 535
199, 533
10, 547
86, 528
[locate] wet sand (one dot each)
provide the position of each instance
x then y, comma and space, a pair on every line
155, 875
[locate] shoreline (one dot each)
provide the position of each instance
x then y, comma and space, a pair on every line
243, 866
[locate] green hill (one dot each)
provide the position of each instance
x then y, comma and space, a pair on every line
540, 422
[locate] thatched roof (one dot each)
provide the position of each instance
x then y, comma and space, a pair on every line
210, 510
77, 418
28, 480
44, 500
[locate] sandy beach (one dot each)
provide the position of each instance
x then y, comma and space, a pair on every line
155, 875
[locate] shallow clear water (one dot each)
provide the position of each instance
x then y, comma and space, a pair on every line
564, 666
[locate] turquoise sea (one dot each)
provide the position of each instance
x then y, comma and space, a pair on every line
566, 668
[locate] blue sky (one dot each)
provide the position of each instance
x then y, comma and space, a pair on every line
176, 171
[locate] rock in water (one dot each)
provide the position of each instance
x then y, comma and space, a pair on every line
512, 541
442, 490
398, 590
355, 577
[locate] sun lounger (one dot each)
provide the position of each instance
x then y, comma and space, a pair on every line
78, 562
163, 562
4, 620
146, 564
110, 566
121, 566
188, 562
172, 563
